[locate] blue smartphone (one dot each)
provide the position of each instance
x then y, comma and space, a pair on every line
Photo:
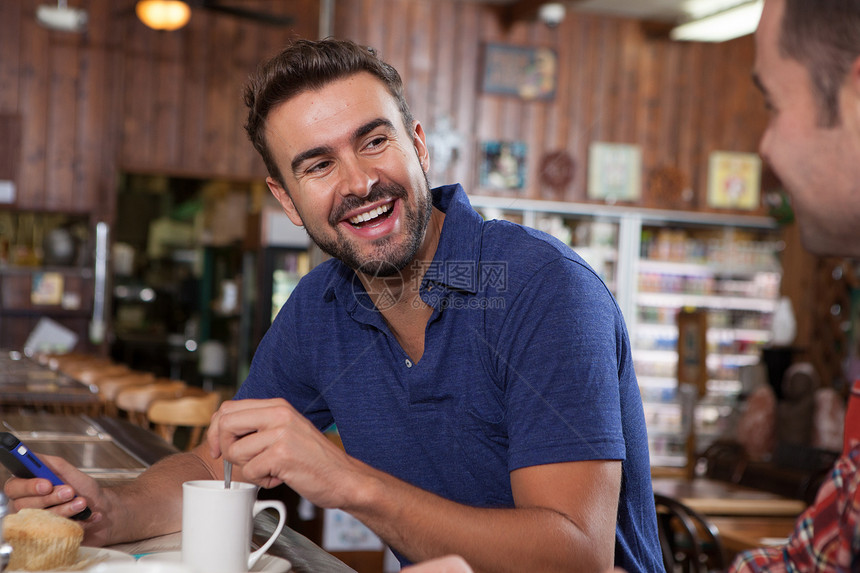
23, 463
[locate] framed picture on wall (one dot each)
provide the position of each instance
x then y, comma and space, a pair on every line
527, 73
734, 180
503, 165
614, 172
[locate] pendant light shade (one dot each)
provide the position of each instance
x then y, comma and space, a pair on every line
163, 14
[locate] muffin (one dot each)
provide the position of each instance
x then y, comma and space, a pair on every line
41, 540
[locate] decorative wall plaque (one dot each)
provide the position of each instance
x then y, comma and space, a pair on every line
734, 180
557, 170
503, 165
614, 172
528, 73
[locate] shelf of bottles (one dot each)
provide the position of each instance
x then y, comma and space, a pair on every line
732, 273
657, 262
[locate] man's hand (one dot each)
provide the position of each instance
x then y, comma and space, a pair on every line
39, 493
273, 443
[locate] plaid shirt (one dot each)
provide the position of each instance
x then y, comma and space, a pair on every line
827, 534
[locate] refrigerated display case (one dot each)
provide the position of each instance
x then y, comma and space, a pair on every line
281, 258
283, 267
657, 262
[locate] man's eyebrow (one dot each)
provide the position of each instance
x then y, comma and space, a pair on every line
371, 125
324, 149
308, 154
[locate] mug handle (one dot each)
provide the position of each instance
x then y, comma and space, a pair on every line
282, 517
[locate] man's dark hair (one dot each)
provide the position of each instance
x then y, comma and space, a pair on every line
824, 36
310, 65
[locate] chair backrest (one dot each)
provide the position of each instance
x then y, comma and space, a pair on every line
724, 460
92, 374
134, 400
690, 543
110, 386
188, 411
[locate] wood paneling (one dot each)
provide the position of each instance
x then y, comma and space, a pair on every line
123, 97
678, 101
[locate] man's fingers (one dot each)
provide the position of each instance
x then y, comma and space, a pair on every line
19, 487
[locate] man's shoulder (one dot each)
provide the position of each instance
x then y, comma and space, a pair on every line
527, 248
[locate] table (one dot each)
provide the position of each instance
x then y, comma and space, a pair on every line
24, 382
714, 497
742, 533
304, 555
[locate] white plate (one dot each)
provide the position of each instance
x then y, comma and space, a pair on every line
92, 556
266, 564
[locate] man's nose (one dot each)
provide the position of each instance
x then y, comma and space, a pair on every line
358, 177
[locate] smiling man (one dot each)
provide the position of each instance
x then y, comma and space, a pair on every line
479, 372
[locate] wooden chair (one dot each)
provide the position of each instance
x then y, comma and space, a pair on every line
689, 541
724, 460
188, 411
93, 373
110, 386
134, 400
71, 364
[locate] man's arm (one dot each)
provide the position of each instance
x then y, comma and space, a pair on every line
147, 506
564, 517
564, 520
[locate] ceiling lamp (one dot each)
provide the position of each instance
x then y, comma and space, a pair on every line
61, 17
163, 14
728, 24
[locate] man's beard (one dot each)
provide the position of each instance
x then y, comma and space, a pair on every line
389, 258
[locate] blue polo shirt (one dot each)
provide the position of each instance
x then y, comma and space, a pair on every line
526, 362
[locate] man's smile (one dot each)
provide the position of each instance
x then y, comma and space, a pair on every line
370, 217
375, 220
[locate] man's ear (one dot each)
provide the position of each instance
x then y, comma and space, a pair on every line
419, 140
286, 202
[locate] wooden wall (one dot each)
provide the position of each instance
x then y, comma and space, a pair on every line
678, 101
124, 97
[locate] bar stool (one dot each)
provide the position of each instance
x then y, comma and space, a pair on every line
93, 373
135, 400
188, 411
70, 364
110, 386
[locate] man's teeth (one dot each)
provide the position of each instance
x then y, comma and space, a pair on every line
373, 214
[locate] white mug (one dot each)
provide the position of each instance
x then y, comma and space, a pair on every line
217, 525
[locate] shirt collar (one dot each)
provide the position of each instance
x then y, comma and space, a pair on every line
459, 244
458, 254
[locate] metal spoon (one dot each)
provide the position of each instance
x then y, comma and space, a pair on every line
228, 474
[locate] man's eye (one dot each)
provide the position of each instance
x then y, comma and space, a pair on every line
317, 167
376, 142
